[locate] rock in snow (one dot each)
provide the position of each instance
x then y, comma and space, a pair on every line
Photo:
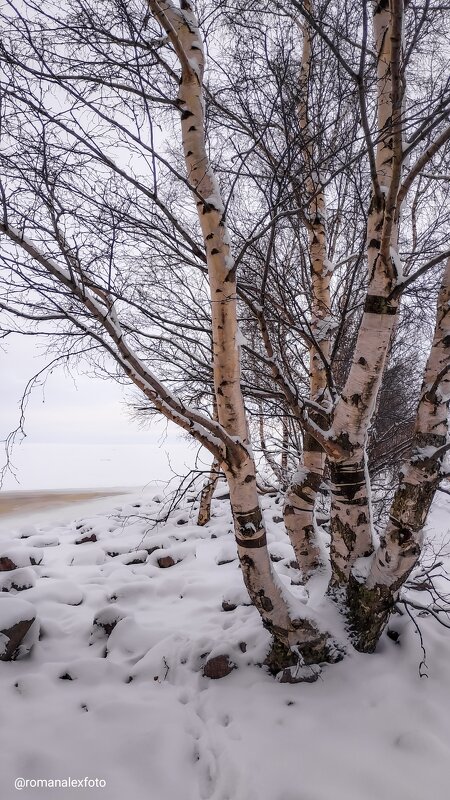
6, 564
107, 618
16, 620
17, 579
218, 667
115, 687
165, 562
88, 538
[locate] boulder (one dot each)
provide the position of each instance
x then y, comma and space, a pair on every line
88, 538
6, 564
226, 606
107, 618
218, 667
17, 618
134, 557
19, 579
16, 557
166, 561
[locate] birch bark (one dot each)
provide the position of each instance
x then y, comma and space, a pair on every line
238, 465
204, 510
351, 523
371, 603
302, 492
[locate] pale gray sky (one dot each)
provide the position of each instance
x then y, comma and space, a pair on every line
79, 433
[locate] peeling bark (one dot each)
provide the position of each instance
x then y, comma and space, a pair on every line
371, 603
351, 525
204, 510
302, 493
298, 512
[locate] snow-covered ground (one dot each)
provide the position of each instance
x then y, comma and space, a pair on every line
133, 708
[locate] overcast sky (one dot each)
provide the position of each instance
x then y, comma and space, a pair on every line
79, 433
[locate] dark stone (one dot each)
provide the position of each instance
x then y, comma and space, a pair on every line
243, 647
65, 677
136, 558
151, 550
17, 587
107, 627
6, 564
15, 634
277, 519
165, 562
218, 667
84, 539
226, 606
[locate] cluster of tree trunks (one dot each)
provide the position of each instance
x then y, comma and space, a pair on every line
343, 421
365, 577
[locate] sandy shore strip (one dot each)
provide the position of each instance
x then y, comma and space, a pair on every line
23, 502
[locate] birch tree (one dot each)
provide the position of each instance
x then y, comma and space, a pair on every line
266, 185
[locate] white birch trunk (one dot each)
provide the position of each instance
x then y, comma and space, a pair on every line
400, 547
301, 494
204, 509
351, 524
238, 466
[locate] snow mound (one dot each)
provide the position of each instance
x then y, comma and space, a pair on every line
117, 685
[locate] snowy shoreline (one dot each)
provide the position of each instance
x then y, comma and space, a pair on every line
14, 502
114, 687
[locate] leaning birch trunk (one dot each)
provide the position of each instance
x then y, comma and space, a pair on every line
302, 492
284, 452
239, 466
351, 524
371, 602
204, 509
206, 495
